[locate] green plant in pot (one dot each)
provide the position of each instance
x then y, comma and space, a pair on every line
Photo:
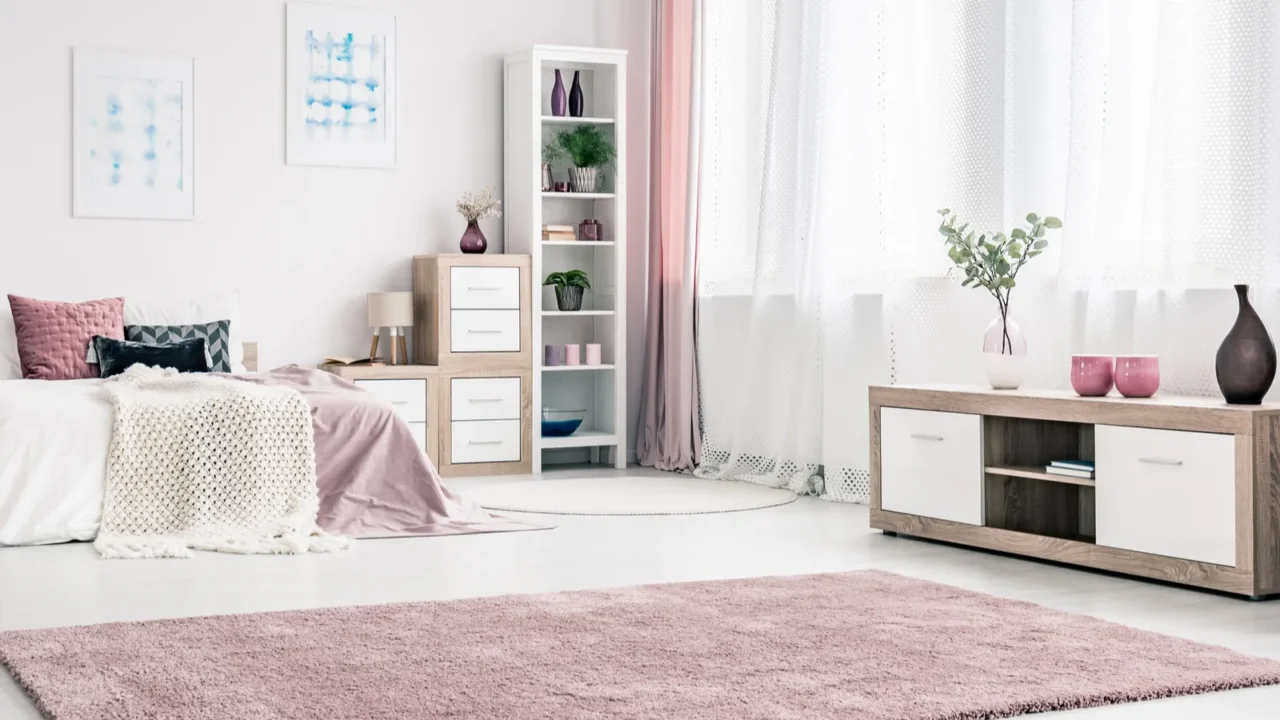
569, 287
590, 150
991, 261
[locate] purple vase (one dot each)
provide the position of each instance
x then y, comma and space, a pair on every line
575, 97
473, 242
559, 101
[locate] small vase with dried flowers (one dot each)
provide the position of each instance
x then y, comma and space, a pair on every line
476, 207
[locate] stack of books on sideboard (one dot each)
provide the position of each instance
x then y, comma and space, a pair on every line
558, 232
1071, 468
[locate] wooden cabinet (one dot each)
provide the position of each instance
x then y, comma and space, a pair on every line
1167, 492
472, 319
472, 312
411, 390
1186, 489
931, 463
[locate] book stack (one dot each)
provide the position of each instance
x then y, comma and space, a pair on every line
558, 232
1071, 468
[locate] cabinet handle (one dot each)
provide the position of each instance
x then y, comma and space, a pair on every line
399, 402
484, 399
484, 442
1159, 461
934, 438
482, 287
484, 332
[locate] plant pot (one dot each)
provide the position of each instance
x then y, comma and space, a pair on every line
473, 241
569, 298
1004, 354
584, 179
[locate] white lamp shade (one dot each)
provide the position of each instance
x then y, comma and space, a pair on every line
390, 309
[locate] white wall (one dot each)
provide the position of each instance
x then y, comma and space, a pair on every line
301, 244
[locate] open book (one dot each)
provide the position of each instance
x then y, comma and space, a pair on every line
338, 360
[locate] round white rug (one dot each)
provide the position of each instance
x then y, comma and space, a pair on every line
675, 495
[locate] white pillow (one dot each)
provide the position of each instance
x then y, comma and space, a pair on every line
189, 311
10, 363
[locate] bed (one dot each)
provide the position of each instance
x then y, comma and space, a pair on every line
372, 479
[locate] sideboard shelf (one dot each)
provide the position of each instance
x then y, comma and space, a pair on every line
1186, 489
1032, 473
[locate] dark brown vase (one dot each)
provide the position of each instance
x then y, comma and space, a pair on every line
1247, 358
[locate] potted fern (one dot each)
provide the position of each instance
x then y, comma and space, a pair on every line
569, 287
589, 150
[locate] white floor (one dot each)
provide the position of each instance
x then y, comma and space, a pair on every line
68, 584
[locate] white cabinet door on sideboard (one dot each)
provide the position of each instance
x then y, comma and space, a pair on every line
1167, 492
931, 464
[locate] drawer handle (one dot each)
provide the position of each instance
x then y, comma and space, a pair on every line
1159, 461
483, 287
399, 402
484, 332
484, 442
484, 399
932, 438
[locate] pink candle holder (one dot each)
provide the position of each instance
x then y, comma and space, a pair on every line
1137, 376
1092, 375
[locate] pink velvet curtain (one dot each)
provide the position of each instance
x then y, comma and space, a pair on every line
669, 437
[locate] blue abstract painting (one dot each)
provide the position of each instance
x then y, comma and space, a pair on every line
134, 134
346, 78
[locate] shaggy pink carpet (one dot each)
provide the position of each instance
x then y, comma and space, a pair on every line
853, 645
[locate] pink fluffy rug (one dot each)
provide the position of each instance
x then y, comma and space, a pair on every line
852, 645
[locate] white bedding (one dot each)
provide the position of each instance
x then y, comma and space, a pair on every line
54, 437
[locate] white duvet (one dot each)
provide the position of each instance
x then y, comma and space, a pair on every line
54, 437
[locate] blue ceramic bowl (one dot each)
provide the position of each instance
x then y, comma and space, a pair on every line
559, 423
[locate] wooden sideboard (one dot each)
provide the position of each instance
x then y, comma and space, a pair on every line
1186, 490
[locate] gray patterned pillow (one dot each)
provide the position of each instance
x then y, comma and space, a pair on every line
215, 335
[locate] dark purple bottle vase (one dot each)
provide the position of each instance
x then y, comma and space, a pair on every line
575, 97
558, 99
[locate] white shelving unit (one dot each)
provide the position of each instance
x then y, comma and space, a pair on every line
600, 390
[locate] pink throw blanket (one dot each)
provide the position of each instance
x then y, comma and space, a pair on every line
373, 479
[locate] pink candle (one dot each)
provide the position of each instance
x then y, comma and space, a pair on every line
593, 353
572, 354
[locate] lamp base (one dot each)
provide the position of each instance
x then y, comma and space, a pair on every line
399, 346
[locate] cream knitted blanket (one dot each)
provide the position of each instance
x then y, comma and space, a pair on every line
203, 462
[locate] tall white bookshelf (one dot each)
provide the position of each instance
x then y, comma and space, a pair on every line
600, 390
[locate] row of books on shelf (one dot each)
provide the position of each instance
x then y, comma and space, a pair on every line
1071, 468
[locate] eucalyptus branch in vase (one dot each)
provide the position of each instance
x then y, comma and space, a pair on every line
992, 261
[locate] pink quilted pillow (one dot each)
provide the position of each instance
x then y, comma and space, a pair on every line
53, 337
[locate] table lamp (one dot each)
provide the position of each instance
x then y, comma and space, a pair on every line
393, 310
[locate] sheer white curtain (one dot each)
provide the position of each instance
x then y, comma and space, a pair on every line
834, 129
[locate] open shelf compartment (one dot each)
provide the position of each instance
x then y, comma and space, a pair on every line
1019, 495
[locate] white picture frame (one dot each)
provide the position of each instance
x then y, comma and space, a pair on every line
133, 135
341, 96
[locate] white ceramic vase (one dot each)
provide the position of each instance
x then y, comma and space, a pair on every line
584, 179
1004, 354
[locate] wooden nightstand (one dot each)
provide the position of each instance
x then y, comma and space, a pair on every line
472, 319
414, 391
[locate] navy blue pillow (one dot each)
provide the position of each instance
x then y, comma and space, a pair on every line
115, 356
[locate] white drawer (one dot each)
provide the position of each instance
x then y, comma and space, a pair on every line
1166, 492
484, 331
495, 398
419, 432
931, 464
409, 397
484, 288
478, 441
